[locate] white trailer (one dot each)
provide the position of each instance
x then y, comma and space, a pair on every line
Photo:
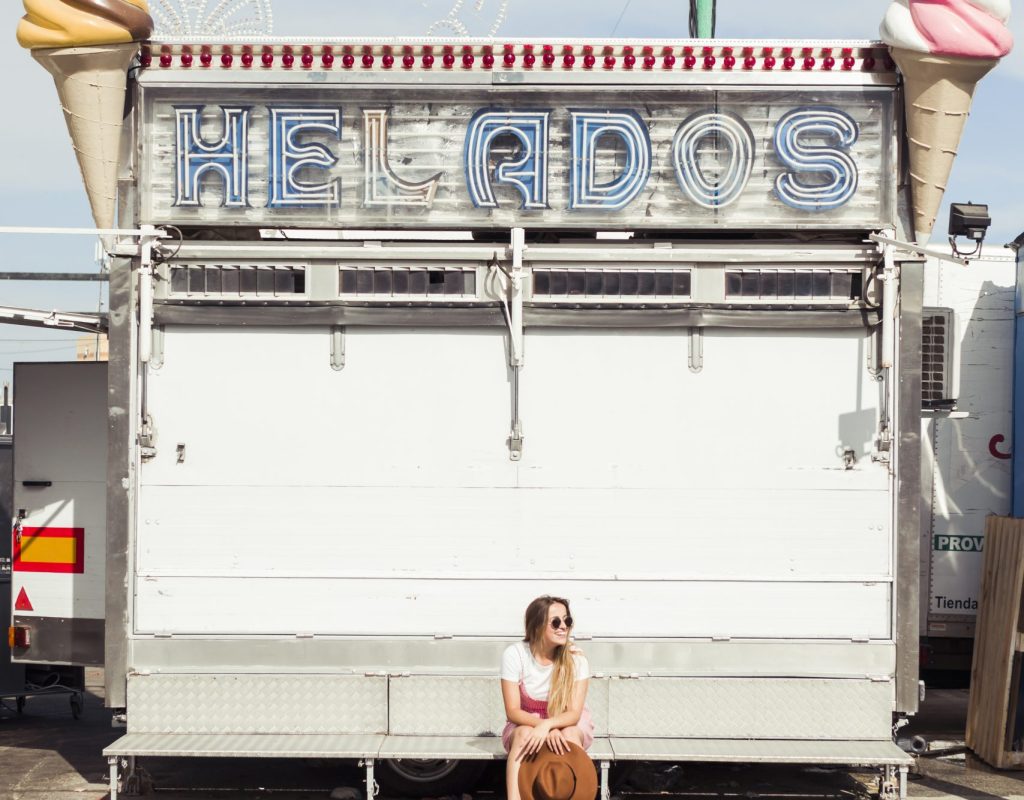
967, 436
434, 330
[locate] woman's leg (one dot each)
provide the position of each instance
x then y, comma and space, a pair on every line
512, 764
573, 734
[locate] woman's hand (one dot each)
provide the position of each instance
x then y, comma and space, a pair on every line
557, 742
535, 739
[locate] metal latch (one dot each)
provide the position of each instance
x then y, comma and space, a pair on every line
147, 439
515, 443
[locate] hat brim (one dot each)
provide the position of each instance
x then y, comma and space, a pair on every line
577, 758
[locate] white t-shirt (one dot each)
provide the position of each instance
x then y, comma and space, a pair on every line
518, 664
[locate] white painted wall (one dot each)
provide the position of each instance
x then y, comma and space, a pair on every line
381, 499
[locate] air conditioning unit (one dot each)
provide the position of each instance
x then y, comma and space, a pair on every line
939, 374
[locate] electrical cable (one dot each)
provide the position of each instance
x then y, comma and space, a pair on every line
622, 13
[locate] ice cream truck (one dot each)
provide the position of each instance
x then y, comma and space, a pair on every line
404, 333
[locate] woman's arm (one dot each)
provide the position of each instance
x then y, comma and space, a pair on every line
513, 709
550, 730
572, 714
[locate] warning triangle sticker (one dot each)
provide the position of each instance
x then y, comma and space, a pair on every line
23, 603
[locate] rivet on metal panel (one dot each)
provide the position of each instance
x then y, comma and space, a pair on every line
338, 347
696, 349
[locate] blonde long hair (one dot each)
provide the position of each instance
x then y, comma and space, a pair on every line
563, 679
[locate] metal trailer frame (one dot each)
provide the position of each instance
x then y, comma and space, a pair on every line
138, 668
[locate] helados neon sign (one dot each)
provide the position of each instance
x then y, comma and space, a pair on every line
607, 162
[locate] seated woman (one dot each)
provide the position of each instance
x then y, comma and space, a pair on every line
544, 685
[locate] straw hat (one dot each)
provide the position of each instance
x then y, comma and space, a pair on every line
547, 776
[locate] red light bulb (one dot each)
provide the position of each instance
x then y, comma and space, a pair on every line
408, 61
709, 62
448, 60
509, 59
467, 60
549, 59
729, 62
225, 59
568, 60
288, 59
247, 59
428, 61
348, 60
307, 60
828, 62
628, 61
387, 60
749, 62
848, 62
788, 62
869, 63
165, 59
809, 62
609, 62
267, 58
367, 60
589, 61
648, 62
186, 59
689, 62
769, 62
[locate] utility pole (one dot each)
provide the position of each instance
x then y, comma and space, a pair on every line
702, 19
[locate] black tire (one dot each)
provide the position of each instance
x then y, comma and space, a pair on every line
427, 777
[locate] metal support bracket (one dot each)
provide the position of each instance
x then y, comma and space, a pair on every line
112, 764
515, 330
606, 791
910, 247
696, 349
338, 348
156, 358
149, 237
372, 790
890, 292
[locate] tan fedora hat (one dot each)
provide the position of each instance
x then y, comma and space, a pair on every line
547, 776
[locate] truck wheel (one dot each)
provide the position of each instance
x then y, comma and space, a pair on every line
428, 777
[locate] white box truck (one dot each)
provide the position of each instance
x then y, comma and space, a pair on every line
415, 332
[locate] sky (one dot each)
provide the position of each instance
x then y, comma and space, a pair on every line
40, 184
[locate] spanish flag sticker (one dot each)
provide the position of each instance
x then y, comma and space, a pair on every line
49, 550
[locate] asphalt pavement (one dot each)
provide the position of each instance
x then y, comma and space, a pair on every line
45, 754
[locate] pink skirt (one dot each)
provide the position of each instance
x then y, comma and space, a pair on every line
539, 709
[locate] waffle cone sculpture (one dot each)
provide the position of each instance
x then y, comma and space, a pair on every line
87, 47
943, 49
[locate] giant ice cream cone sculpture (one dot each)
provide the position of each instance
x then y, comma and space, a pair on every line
943, 48
87, 46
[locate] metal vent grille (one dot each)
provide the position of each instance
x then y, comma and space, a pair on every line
936, 358
791, 285
608, 283
237, 280
405, 282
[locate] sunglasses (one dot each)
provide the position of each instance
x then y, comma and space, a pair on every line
556, 622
